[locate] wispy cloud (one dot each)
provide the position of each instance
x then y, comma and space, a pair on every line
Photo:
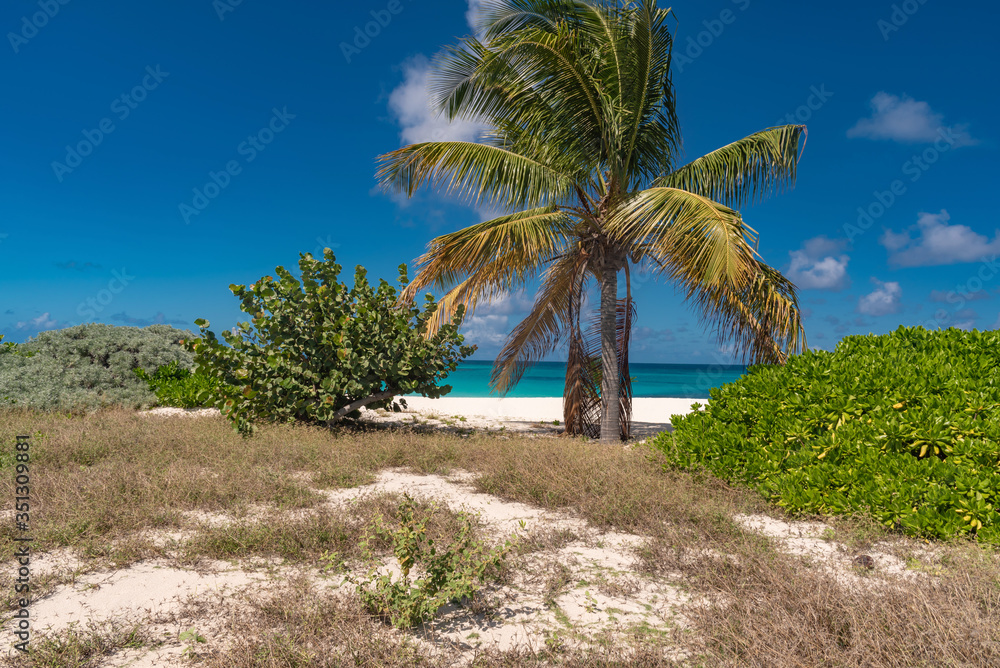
937, 243
475, 13
42, 323
903, 119
411, 107
885, 299
487, 331
508, 304
489, 325
819, 265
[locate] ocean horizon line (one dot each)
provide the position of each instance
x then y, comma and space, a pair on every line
650, 380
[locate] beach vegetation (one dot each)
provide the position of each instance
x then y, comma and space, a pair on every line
316, 350
442, 573
88, 366
582, 158
901, 427
175, 385
113, 480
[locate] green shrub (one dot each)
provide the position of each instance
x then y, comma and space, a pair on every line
315, 350
88, 366
452, 573
175, 385
902, 426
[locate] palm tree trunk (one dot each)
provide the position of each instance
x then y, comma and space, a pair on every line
610, 381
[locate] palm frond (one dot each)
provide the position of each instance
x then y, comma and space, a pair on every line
653, 135
762, 321
477, 173
503, 17
539, 333
745, 171
691, 236
582, 392
482, 261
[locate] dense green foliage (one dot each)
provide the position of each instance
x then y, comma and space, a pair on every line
902, 426
316, 350
88, 366
175, 385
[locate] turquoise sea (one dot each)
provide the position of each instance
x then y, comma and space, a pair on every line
547, 379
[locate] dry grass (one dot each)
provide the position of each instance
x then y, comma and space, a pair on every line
79, 648
299, 626
99, 481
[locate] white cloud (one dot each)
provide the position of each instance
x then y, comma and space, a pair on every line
485, 330
40, 324
906, 120
410, 105
996, 325
883, 301
819, 265
507, 304
937, 243
475, 12
491, 322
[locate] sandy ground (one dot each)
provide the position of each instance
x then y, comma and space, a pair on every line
603, 595
649, 415
540, 416
530, 415
547, 409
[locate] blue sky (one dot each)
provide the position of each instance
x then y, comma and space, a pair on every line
153, 153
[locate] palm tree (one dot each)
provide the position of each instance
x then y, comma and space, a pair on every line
580, 155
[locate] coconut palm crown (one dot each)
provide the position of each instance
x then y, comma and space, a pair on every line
581, 157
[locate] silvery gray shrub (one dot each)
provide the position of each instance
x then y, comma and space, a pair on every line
88, 366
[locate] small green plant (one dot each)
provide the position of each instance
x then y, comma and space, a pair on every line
193, 638
331, 561
450, 574
175, 385
554, 644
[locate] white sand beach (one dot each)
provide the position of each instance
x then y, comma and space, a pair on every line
545, 409
649, 415
532, 415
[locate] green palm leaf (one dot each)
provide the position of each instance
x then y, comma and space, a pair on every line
745, 171
478, 173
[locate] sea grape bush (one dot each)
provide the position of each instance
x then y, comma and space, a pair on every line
315, 350
88, 366
175, 385
904, 427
